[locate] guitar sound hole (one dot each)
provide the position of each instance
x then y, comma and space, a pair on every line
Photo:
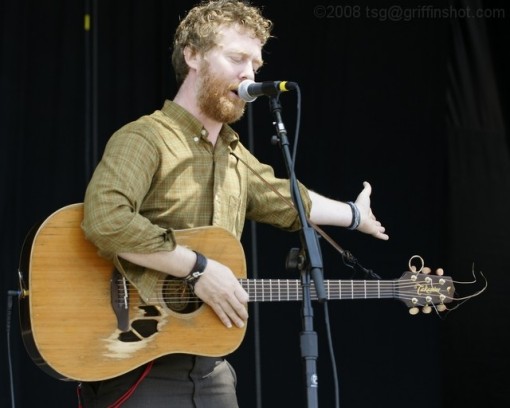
178, 297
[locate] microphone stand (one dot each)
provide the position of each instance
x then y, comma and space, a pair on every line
310, 269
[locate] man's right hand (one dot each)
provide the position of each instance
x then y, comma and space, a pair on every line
220, 289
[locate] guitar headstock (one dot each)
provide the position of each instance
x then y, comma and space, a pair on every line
420, 288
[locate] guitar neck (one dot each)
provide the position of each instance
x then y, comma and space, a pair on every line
276, 290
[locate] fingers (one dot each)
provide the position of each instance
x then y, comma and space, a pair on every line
379, 230
236, 310
231, 312
372, 226
220, 289
369, 223
382, 235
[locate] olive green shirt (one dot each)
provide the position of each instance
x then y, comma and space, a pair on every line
160, 173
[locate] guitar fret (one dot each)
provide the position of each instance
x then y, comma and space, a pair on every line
269, 290
358, 289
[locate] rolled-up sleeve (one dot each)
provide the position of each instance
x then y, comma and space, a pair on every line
112, 219
265, 205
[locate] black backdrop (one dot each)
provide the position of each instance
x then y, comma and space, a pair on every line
415, 104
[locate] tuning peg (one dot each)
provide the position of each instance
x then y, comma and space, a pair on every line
416, 259
441, 307
426, 270
426, 309
440, 271
414, 311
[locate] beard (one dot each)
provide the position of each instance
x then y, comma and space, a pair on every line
215, 99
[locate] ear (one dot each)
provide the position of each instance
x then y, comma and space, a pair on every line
191, 57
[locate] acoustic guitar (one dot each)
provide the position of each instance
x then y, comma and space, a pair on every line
81, 320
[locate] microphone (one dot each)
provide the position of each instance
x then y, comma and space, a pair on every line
249, 90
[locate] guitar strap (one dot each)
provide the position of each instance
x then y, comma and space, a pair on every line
347, 257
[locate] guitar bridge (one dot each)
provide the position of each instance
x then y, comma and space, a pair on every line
119, 294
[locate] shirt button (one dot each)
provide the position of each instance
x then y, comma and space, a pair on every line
196, 138
203, 132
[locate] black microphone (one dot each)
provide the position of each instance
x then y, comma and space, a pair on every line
249, 90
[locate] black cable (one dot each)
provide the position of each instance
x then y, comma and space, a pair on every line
10, 295
332, 355
255, 318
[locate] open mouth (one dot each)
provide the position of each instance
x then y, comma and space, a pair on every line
233, 87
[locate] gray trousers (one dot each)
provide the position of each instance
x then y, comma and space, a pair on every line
177, 380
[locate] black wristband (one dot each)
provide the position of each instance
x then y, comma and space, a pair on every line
356, 218
197, 270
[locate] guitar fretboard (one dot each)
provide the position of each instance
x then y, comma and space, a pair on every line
274, 290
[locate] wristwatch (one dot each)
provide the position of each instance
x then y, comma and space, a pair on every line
197, 271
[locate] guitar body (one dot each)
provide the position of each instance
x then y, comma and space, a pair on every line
69, 326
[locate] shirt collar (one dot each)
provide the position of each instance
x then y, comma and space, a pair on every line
192, 126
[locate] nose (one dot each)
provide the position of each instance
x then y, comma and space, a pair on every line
247, 71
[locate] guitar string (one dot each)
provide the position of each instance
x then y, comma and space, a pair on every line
349, 291
195, 300
331, 290
283, 285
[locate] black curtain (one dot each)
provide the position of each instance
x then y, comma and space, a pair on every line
42, 139
476, 357
414, 104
